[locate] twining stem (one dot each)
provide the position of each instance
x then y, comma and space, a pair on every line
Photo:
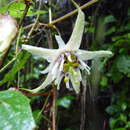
83, 108
10, 62
73, 12
24, 14
50, 12
45, 103
54, 108
65, 16
36, 21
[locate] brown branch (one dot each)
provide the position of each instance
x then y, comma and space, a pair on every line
24, 15
35, 23
50, 25
54, 108
83, 108
73, 12
37, 94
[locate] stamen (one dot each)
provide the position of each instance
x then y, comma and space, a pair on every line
66, 79
85, 66
68, 55
62, 63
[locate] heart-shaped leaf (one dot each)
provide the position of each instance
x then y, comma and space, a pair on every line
15, 111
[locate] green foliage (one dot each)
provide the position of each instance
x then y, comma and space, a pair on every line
19, 64
65, 101
123, 64
16, 9
117, 74
15, 111
119, 112
37, 116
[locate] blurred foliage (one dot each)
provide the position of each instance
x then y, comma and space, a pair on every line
118, 73
16, 10
65, 101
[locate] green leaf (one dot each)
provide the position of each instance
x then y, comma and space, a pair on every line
115, 74
3, 3
16, 10
111, 30
109, 19
123, 64
104, 81
65, 101
124, 106
3, 10
128, 124
113, 109
15, 111
39, 12
37, 116
120, 129
123, 117
21, 60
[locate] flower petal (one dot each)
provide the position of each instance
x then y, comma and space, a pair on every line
55, 69
75, 83
61, 65
48, 54
88, 55
79, 77
59, 79
49, 79
47, 69
76, 36
60, 41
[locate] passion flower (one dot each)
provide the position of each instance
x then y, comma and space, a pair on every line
68, 60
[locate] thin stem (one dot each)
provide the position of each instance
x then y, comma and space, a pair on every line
74, 12
17, 42
50, 43
18, 80
65, 16
10, 62
50, 13
54, 108
83, 108
46, 101
24, 14
36, 21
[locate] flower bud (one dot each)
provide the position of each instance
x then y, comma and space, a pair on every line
8, 30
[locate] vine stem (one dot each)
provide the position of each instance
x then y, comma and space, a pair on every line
54, 109
50, 25
36, 21
24, 14
83, 108
74, 12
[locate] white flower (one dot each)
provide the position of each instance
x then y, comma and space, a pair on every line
68, 60
8, 30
